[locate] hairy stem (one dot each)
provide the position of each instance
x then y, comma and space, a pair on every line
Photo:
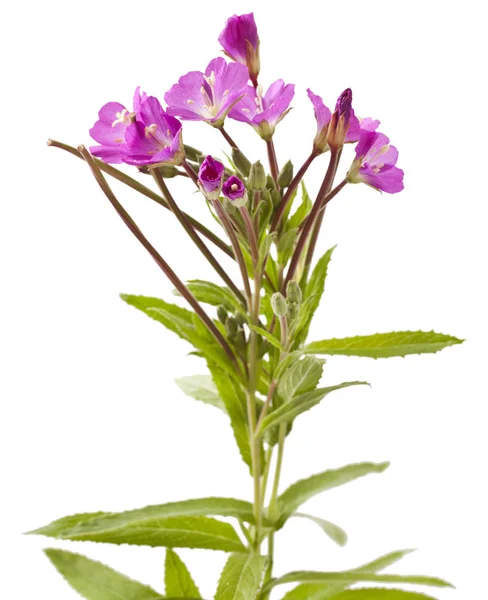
145, 191
175, 280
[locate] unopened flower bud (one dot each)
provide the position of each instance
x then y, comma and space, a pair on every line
192, 153
276, 198
279, 304
339, 123
240, 319
240, 42
241, 162
240, 340
168, 171
231, 327
270, 184
286, 175
222, 314
210, 177
257, 177
235, 191
294, 292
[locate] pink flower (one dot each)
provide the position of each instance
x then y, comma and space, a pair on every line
264, 112
210, 177
240, 42
109, 130
208, 96
154, 138
235, 190
375, 163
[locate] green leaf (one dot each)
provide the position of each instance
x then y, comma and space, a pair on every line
95, 581
269, 336
302, 403
235, 403
351, 577
303, 490
211, 293
58, 527
302, 211
184, 323
286, 244
313, 294
336, 533
302, 376
384, 345
201, 387
241, 577
322, 591
177, 524
380, 594
177, 578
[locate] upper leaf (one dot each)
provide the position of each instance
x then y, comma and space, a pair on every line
302, 403
313, 294
302, 376
211, 293
201, 387
302, 211
336, 533
380, 594
95, 581
177, 578
241, 577
384, 345
303, 490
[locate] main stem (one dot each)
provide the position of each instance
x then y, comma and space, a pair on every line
273, 162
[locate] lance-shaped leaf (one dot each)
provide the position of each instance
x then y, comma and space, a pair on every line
269, 336
302, 376
384, 345
303, 490
185, 324
241, 577
302, 211
336, 533
177, 579
352, 577
313, 294
202, 388
322, 591
302, 403
95, 581
381, 594
211, 293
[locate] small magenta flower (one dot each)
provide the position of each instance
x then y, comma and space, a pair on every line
240, 42
208, 96
210, 177
375, 163
109, 130
322, 116
235, 190
154, 138
264, 112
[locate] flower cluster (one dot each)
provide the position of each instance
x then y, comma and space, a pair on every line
150, 135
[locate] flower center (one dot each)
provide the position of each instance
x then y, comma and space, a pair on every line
234, 187
122, 117
150, 130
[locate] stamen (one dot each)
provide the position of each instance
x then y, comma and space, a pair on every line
234, 187
151, 130
190, 101
122, 117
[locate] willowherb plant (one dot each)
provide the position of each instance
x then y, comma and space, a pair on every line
253, 333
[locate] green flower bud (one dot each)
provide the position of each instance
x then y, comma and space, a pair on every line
276, 198
222, 314
241, 162
270, 184
240, 340
279, 304
293, 310
286, 175
294, 292
231, 327
240, 319
168, 171
257, 177
192, 153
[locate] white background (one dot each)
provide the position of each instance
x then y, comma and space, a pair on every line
91, 418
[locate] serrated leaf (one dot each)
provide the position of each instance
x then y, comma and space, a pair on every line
211, 293
202, 388
177, 579
333, 531
322, 591
381, 594
236, 407
269, 336
303, 490
384, 345
352, 577
302, 376
312, 296
95, 581
302, 211
300, 404
56, 528
158, 526
241, 577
